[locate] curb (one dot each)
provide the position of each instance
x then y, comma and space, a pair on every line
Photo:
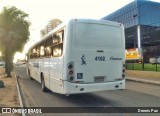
143, 80
19, 93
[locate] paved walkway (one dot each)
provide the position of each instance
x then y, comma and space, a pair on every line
2, 72
145, 80
2, 76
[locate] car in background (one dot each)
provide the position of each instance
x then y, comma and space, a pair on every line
154, 60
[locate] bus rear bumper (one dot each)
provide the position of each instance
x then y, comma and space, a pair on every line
73, 88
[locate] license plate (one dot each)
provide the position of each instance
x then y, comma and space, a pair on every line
99, 79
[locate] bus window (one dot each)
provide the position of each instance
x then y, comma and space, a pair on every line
33, 53
57, 50
48, 43
57, 46
42, 51
38, 51
48, 51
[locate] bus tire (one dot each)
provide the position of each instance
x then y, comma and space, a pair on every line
43, 87
29, 75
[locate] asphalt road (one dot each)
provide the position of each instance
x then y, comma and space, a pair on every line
135, 95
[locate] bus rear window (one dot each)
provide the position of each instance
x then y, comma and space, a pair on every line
97, 35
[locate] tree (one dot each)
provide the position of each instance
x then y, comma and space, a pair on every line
14, 33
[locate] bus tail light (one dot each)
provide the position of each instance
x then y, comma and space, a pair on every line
123, 73
71, 78
70, 70
70, 66
123, 70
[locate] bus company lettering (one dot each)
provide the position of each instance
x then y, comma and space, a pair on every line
112, 58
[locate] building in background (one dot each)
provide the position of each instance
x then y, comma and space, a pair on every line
50, 26
141, 19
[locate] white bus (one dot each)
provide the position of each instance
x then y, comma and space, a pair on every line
82, 55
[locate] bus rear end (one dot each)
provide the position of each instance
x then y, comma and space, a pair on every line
96, 61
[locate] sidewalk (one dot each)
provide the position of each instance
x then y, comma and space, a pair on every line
143, 76
8, 94
143, 80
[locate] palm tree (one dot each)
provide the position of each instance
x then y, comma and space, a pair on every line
14, 32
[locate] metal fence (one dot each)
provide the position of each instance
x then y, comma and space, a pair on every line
150, 61
141, 66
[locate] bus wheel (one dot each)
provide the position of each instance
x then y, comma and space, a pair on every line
29, 75
43, 87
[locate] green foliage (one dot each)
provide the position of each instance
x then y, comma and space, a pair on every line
14, 28
14, 32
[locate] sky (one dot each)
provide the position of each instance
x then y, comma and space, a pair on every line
41, 11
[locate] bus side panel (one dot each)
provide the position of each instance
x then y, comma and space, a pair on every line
37, 70
46, 71
34, 70
56, 75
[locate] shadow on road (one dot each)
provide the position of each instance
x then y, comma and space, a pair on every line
85, 99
